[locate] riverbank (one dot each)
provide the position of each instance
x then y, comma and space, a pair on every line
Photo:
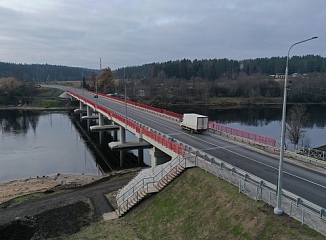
224, 103
17, 188
37, 108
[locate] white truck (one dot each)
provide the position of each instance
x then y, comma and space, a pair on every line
194, 122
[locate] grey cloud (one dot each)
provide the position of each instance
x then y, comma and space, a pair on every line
135, 32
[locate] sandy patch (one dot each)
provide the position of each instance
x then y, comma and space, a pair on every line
16, 188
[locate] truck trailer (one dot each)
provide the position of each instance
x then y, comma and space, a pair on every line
194, 122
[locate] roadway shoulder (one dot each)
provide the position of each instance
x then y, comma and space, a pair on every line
289, 156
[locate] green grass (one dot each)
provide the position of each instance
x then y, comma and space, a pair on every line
197, 205
48, 103
48, 92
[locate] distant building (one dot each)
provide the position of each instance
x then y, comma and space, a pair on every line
142, 91
279, 75
296, 75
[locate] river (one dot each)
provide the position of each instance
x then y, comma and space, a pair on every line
40, 143
265, 121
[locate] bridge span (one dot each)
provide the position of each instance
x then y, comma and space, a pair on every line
168, 139
253, 170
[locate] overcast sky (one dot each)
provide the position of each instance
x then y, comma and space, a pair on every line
135, 32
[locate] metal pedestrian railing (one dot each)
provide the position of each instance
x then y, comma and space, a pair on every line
298, 208
146, 182
256, 188
313, 153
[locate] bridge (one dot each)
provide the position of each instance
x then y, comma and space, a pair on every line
253, 170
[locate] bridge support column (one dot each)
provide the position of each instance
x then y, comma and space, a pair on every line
81, 105
140, 154
113, 133
115, 136
158, 157
89, 111
122, 140
122, 134
101, 123
100, 119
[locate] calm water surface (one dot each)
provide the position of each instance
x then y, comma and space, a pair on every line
37, 143
265, 121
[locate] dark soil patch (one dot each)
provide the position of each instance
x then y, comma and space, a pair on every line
50, 224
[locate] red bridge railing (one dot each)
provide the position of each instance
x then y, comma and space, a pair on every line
239, 133
212, 125
159, 139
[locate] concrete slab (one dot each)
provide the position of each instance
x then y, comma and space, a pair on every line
128, 145
152, 190
64, 95
78, 111
89, 117
109, 216
190, 164
97, 128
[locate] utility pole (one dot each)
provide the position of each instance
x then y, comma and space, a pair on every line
124, 76
278, 209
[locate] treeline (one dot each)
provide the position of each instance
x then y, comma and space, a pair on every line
311, 88
214, 69
42, 72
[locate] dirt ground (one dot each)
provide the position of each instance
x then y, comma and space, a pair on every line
50, 224
17, 188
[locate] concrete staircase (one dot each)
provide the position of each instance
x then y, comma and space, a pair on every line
169, 177
149, 181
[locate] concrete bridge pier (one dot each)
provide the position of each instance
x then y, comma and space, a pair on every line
100, 119
81, 110
100, 123
122, 141
140, 154
115, 134
113, 131
158, 157
89, 111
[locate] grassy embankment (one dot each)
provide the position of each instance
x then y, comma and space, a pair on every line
197, 205
48, 97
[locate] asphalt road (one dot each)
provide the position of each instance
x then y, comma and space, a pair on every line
306, 183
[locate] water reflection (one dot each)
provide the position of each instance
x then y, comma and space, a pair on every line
98, 143
38, 143
18, 122
255, 116
265, 120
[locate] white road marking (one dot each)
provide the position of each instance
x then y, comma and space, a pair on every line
226, 149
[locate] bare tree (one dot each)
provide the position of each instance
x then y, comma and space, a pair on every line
10, 85
295, 122
92, 77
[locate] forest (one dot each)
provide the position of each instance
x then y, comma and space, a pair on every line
42, 72
214, 69
185, 81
